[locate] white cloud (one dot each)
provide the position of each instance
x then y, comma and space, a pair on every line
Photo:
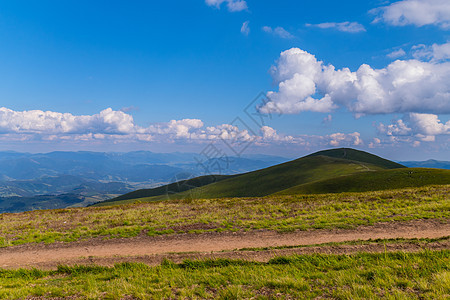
351, 27
428, 124
397, 128
232, 5
245, 29
433, 53
423, 127
278, 31
270, 134
306, 84
118, 127
375, 142
237, 5
396, 54
37, 121
415, 12
339, 139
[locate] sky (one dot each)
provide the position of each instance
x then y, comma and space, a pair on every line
273, 77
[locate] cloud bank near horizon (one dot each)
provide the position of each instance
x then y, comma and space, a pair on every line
119, 127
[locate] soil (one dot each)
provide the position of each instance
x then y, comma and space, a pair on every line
177, 247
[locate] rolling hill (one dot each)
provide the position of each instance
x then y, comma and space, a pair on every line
359, 156
320, 166
373, 181
168, 189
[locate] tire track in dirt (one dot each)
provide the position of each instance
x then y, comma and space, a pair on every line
153, 249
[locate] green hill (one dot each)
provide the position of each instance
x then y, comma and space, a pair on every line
373, 181
357, 155
169, 189
273, 179
333, 170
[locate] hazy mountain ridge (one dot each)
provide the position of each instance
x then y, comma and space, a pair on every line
35, 181
431, 163
64, 179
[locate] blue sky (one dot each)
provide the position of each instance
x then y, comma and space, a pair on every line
173, 75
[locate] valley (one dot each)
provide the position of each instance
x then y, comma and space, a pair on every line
268, 233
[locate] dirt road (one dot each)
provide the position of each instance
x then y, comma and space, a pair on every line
152, 250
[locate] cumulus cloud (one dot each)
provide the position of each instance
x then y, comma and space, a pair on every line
270, 134
415, 12
339, 139
232, 5
374, 143
37, 121
396, 54
428, 124
398, 127
245, 28
307, 84
278, 31
423, 127
351, 27
110, 126
120, 126
433, 53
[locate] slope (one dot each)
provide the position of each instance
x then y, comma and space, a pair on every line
169, 189
373, 181
317, 166
357, 155
268, 181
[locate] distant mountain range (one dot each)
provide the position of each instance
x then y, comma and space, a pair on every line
66, 179
38, 181
431, 163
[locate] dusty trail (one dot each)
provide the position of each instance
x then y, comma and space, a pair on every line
152, 249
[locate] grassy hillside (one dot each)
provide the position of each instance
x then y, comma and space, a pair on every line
274, 179
360, 156
167, 190
373, 181
277, 212
318, 166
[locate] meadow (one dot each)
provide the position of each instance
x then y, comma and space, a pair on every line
282, 213
423, 275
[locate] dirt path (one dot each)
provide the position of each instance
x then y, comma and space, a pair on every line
152, 249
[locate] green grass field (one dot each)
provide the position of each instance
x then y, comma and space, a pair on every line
423, 275
284, 213
373, 181
270, 180
172, 188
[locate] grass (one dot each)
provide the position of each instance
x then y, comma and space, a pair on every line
396, 241
423, 275
169, 189
278, 213
273, 179
373, 181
